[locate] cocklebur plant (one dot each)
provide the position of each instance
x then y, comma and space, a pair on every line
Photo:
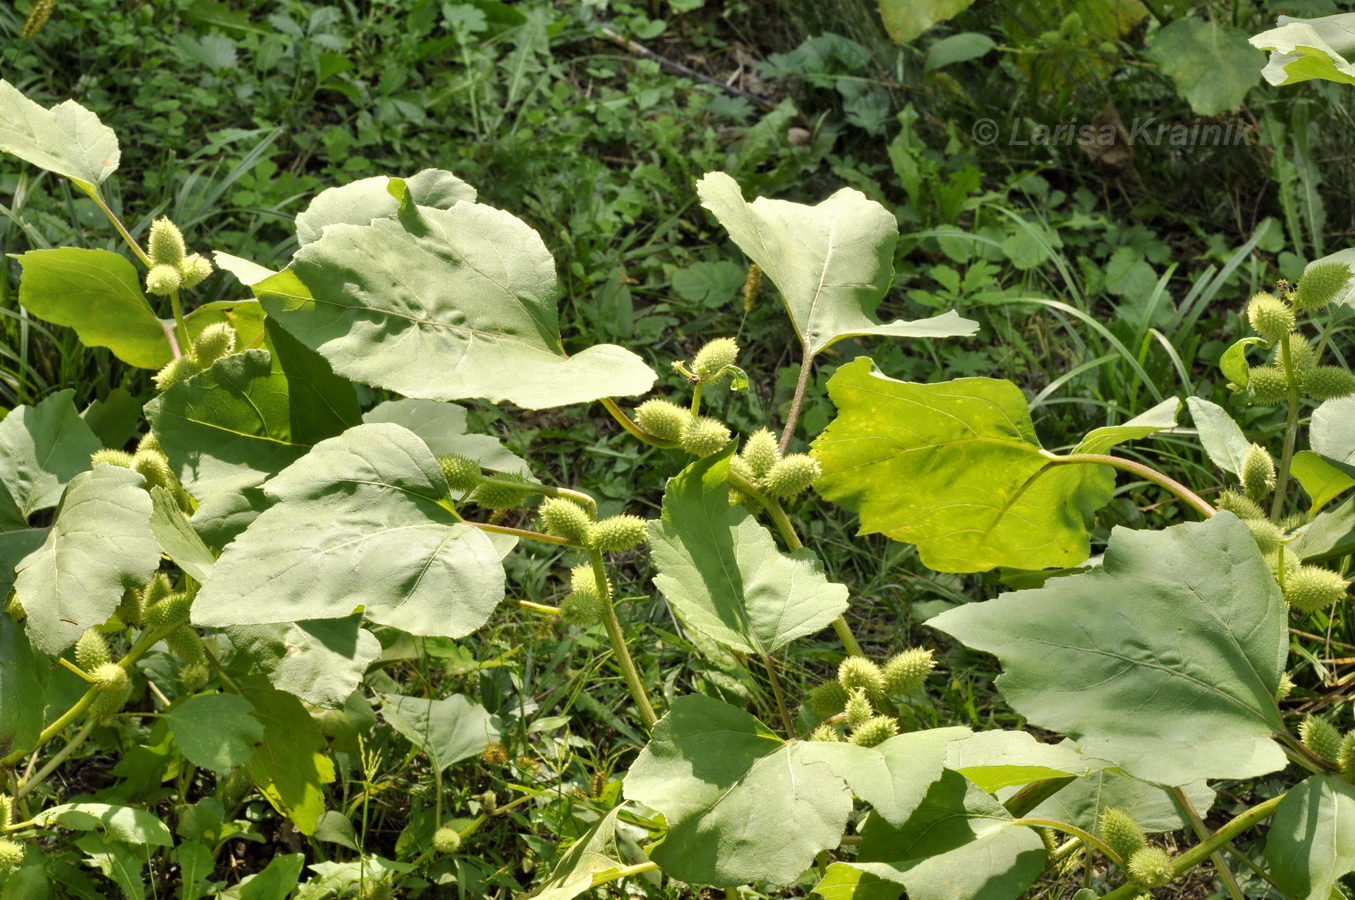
301, 530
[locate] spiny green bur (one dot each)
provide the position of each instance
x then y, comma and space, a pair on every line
1270, 316
1268, 385
176, 371
824, 733
1121, 833
1151, 867
616, 533
858, 708
1321, 737
163, 280
583, 578
790, 476
565, 519
111, 458
114, 687
1326, 383
907, 671
711, 359
1285, 687
213, 342
462, 473
1312, 588
663, 419
760, 452
1258, 472
704, 436
184, 643
501, 493
827, 700
91, 651
194, 271
1320, 285
169, 612
874, 731
581, 608
157, 589
1267, 534
11, 854
165, 246
1240, 506
6, 810
859, 672
446, 840
1345, 756
1302, 356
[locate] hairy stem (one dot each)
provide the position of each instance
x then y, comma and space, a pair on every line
1148, 473
635, 430
93, 194
1291, 434
534, 607
57, 759
1192, 815
618, 639
525, 533
1035, 793
797, 402
1085, 836
786, 722
608, 875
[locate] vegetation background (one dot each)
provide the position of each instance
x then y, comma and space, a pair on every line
1104, 281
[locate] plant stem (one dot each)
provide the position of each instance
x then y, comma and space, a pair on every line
1085, 836
180, 326
636, 431
786, 721
608, 875
618, 639
148, 640
787, 532
93, 194
534, 607
1179, 490
696, 398
57, 759
524, 533
1291, 434
797, 402
1192, 815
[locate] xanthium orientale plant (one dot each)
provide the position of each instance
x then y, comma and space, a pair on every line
267, 533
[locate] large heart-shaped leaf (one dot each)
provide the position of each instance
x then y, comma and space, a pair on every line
1165, 660
321, 403
215, 731
359, 522
362, 201
100, 545
956, 469
723, 572
958, 843
290, 767
320, 661
42, 448
997, 759
448, 730
894, 776
1212, 64
1082, 802
97, 293
442, 426
66, 139
227, 428
1312, 838
1301, 49
742, 805
444, 304
833, 262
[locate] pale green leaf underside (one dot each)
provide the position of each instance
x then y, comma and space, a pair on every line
321, 661
833, 262
66, 139
362, 201
742, 805
593, 854
1312, 838
1165, 660
442, 426
359, 522
444, 304
1221, 437
959, 843
1332, 434
723, 572
448, 730
97, 293
894, 776
99, 545
177, 538
996, 759
956, 469
1302, 49
42, 448
1082, 802
120, 823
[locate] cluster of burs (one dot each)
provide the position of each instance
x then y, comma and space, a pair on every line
1294, 373
759, 474
861, 702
